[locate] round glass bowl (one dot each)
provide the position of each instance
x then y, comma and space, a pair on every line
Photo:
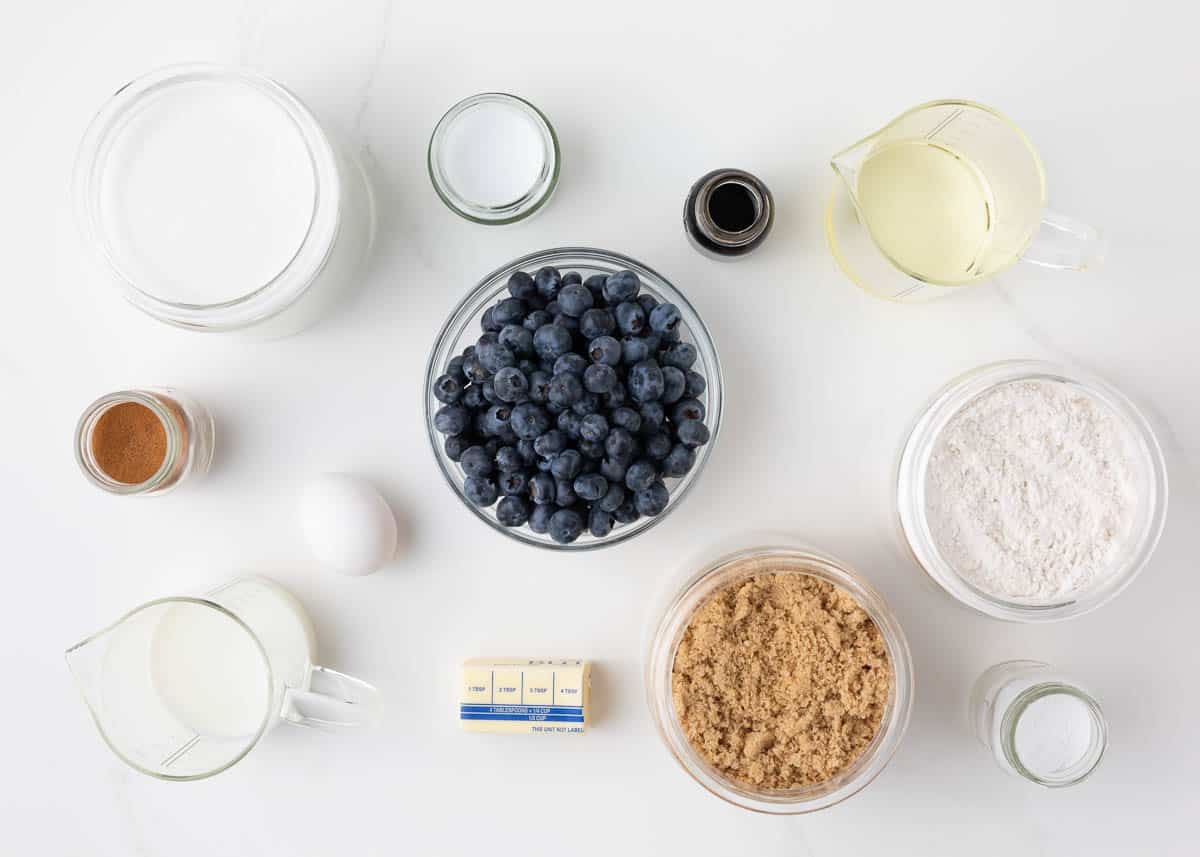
494, 158
729, 571
1141, 444
218, 203
462, 329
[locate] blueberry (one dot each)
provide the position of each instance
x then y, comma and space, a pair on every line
597, 322
613, 470
639, 475
658, 445
565, 526
590, 486
539, 518
480, 490
569, 422
495, 419
605, 349
613, 497
626, 418
488, 322
525, 451
551, 341
589, 403
454, 369
472, 397
509, 311
525, 364
508, 460
574, 299
679, 354
539, 386
631, 318
627, 512
529, 420
674, 383
512, 511
510, 384
564, 493
551, 443
488, 389
634, 350
615, 397
648, 302
455, 446
565, 389
600, 378
646, 381
600, 522
572, 278
695, 384
566, 464
621, 286
594, 428
493, 356
619, 445
565, 321
517, 339
521, 285
653, 500
679, 461
593, 451
447, 389
536, 319
595, 285
474, 370
692, 433
652, 416
665, 318
548, 282
687, 409
571, 363
513, 484
476, 461
451, 419
542, 488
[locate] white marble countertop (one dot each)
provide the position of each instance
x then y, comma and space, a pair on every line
821, 383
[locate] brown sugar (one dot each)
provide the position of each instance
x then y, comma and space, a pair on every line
129, 443
781, 680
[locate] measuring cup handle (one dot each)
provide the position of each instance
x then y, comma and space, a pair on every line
1064, 242
332, 701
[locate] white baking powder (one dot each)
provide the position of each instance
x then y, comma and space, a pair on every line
1053, 734
1030, 492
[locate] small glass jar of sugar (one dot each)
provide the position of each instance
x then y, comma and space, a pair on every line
1038, 723
494, 158
217, 202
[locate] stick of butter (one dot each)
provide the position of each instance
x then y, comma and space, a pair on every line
525, 696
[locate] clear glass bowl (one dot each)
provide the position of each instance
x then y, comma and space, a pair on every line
462, 329
914, 462
728, 571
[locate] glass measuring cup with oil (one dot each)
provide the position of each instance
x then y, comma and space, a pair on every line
946, 195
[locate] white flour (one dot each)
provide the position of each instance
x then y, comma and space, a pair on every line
1030, 493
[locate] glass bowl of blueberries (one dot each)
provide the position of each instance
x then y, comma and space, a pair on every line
572, 398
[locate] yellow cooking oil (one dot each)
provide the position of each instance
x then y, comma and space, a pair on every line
928, 208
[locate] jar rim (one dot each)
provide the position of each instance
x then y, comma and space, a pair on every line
263, 301
1012, 716
83, 442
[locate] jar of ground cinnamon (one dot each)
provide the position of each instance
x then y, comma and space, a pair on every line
144, 441
780, 680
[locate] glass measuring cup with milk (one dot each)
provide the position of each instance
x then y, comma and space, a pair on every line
946, 195
182, 688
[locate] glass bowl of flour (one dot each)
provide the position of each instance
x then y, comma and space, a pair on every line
1031, 491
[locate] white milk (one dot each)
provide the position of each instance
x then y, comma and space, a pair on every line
209, 191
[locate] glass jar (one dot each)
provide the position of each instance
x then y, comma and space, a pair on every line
190, 434
217, 202
728, 213
728, 571
1009, 709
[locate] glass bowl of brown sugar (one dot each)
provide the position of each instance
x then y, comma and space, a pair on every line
779, 680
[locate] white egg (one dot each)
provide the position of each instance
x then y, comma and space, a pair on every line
348, 526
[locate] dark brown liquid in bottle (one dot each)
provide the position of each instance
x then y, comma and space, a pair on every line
732, 207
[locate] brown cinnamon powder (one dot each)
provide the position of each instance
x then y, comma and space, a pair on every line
129, 443
781, 680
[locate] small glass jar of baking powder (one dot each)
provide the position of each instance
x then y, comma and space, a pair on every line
1037, 723
144, 441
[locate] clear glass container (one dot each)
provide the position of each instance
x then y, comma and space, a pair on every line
462, 329
217, 202
1004, 698
730, 570
190, 436
524, 201
1145, 453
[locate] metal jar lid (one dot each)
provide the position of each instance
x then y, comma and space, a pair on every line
711, 228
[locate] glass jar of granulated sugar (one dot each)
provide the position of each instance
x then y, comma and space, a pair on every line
217, 202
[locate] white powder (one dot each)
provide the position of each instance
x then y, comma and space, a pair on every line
493, 154
1030, 493
1053, 734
